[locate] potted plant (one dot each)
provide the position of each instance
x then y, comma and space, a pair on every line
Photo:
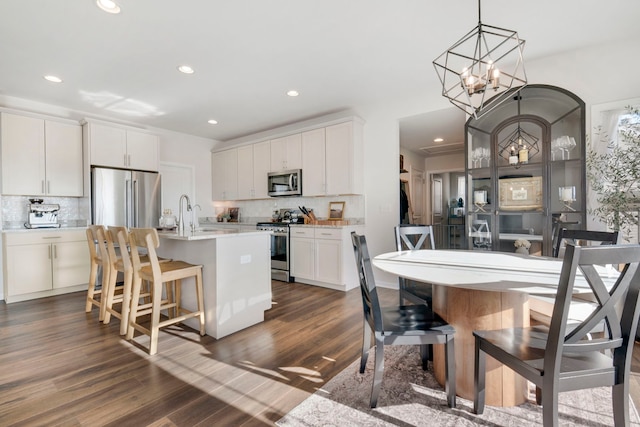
614, 175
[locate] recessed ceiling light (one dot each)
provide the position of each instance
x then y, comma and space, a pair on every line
108, 6
186, 69
438, 140
293, 93
212, 122
53, 79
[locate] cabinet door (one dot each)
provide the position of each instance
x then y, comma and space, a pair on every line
286, 153
261, 167
328, 261
28, 268
245, 173
225, 175
63, 145
302, 259
339, 153
142, 151
108, 145
70, 264
313, 162
23, 155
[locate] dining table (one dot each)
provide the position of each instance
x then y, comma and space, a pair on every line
481, 290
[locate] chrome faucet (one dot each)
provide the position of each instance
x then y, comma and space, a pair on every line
180, 216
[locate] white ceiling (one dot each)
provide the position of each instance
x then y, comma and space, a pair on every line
339, 54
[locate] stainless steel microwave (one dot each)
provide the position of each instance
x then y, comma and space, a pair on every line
285, 183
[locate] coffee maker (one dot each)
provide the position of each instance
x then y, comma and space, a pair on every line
42, 215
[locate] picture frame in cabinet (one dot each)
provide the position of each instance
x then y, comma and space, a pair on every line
521, 194
336, 211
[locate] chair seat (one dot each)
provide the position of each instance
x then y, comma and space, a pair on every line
413, 319
528, 345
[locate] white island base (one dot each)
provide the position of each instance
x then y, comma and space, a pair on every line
236, 276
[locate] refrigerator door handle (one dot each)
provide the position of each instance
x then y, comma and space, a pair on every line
127, 203
136, 201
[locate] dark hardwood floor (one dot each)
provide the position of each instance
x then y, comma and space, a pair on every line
60, 367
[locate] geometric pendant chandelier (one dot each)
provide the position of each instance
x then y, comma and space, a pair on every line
480, 67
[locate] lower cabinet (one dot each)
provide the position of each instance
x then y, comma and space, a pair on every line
44, 263
323, 256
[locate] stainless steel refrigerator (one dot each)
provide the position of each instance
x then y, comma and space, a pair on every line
125, 198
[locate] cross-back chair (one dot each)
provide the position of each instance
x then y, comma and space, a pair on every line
398, 325
480, 234
413, 237
576, 236
561, 358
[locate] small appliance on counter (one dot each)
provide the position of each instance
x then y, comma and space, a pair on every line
42, 215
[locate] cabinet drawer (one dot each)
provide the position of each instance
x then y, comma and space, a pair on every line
37, 237
302, 232
328, 233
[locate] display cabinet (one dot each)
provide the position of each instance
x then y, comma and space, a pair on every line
525, 170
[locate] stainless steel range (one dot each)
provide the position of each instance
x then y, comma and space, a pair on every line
280, 254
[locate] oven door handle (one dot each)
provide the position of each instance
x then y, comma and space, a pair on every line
280, 234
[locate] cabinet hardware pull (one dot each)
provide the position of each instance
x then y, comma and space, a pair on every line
55, 251
49, 252
52, 237
125, 160
128, 159
48, 186
43, 186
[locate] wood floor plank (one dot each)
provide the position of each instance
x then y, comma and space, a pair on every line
60, 366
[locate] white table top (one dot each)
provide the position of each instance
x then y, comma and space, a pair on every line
482, 270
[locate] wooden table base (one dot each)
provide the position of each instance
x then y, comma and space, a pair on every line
469, 310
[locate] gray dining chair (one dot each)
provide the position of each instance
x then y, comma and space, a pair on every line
587, 236
398, 325
411, 237
561, 358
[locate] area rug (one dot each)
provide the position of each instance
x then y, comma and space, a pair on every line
412, 397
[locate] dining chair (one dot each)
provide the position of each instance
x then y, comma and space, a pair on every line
170, 274
99, 259
480, 233
413, 237
561, 358
575, 236
398, 325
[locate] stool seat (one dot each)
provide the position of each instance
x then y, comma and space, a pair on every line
167, 277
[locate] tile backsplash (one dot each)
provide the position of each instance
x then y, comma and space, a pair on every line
74, 211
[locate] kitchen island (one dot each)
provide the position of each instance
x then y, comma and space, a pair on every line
236, 275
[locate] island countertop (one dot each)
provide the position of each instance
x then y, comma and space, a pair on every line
209, 233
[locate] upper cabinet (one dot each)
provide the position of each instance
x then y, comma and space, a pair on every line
344, 158
313, 163
286, 153
525, 166
253, 166
41, 157
225, 174
118, 147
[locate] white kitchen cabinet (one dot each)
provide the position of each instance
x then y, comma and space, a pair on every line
344, 158
253, 167
301, 247
224, 166
113, 146
44, 263
41, 157
286, 153
323, 256
313, 163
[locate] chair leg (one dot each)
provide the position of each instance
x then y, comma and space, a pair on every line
200, 297
126, 302
550, 406
154, 327
479, 379
108, 293
538, 396
378, 368
135, 300
366, 345
425, 353
106, 277
450, 371
620, 395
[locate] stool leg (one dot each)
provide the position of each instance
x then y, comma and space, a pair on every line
108, 292
178, 297
135, 300
126, 302
200, 296
93, 274
106, 277
154, 328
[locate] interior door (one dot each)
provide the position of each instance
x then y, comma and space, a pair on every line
417, 195
436, 199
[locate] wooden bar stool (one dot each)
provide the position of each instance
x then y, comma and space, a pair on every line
99, 258
157, 273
